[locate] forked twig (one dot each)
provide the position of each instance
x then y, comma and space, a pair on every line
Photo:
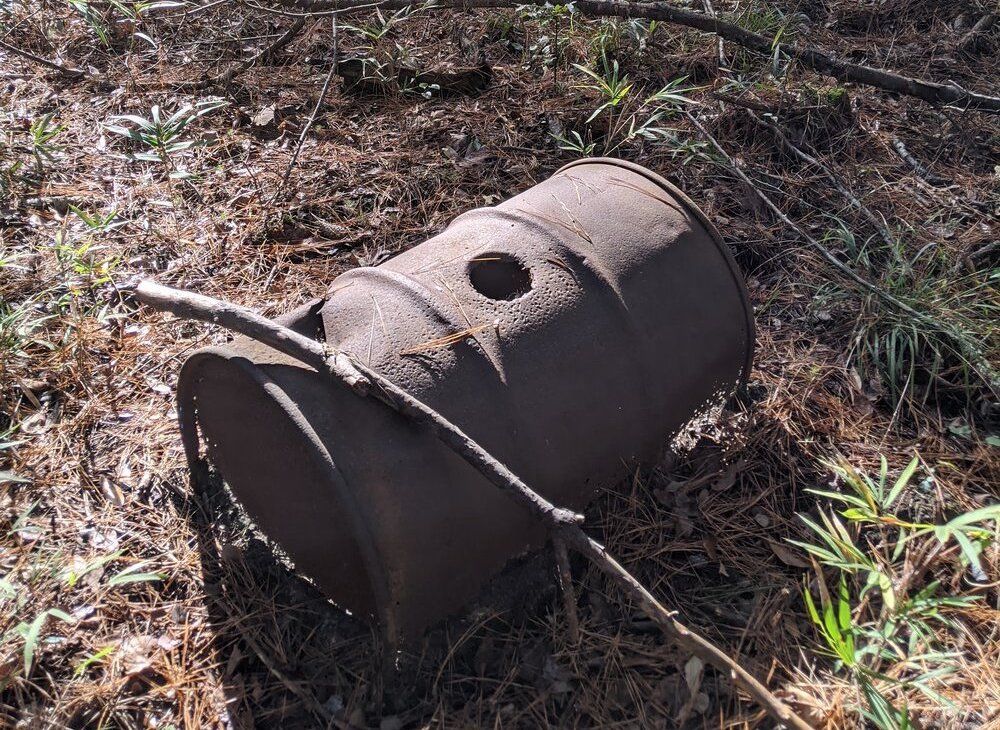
359, 378
564, 524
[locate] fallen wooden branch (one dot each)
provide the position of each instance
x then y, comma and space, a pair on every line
71, 73
970, 41
822, 61
564, 524
362, 380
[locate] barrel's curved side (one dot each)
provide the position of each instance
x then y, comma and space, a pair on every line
635, 314
734, 268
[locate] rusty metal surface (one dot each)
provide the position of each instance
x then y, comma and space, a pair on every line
571, 330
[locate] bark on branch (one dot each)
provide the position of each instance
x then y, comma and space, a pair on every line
564, 524
70, 73
813, 58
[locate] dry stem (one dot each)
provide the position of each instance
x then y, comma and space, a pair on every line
71, 73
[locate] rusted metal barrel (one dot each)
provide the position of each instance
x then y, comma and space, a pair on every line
571, 330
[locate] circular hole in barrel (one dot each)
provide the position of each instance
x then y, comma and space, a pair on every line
499, 276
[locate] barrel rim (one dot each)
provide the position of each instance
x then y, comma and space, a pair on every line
375, 568
713, 232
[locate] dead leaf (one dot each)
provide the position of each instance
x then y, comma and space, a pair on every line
558, 676
694, 670
136, 654
728, 479
167, 643
710, 544
786, 556
264, 117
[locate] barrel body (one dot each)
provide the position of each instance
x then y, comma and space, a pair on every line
571, 331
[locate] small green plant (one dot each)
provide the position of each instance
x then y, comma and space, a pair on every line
84, 261
758, 18
573, 142
31, 634
20, 325
766, 21
549, 46
94, 18
882, 628
11, 177
72, 576
162, 138
101, 18
98, 657
615, 38
381, 58
96, 222
912, 359
624, 115
642, 31
379, 26
872, 501
43, 132
131, 574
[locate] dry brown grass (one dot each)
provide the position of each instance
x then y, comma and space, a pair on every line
229, 636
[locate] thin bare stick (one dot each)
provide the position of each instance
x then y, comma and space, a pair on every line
188, 305
926, 175
71, 73
317, 14
566, 587
227, 78
830, 63
874, 220
312, 117
710, 11
287, 37
563, 523
678, 632
744, 102
293, 686
969, 349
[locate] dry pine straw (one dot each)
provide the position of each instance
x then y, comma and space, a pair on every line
229, 636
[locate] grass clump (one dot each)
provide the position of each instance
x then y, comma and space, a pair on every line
623, 115
891, 614
945, 359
